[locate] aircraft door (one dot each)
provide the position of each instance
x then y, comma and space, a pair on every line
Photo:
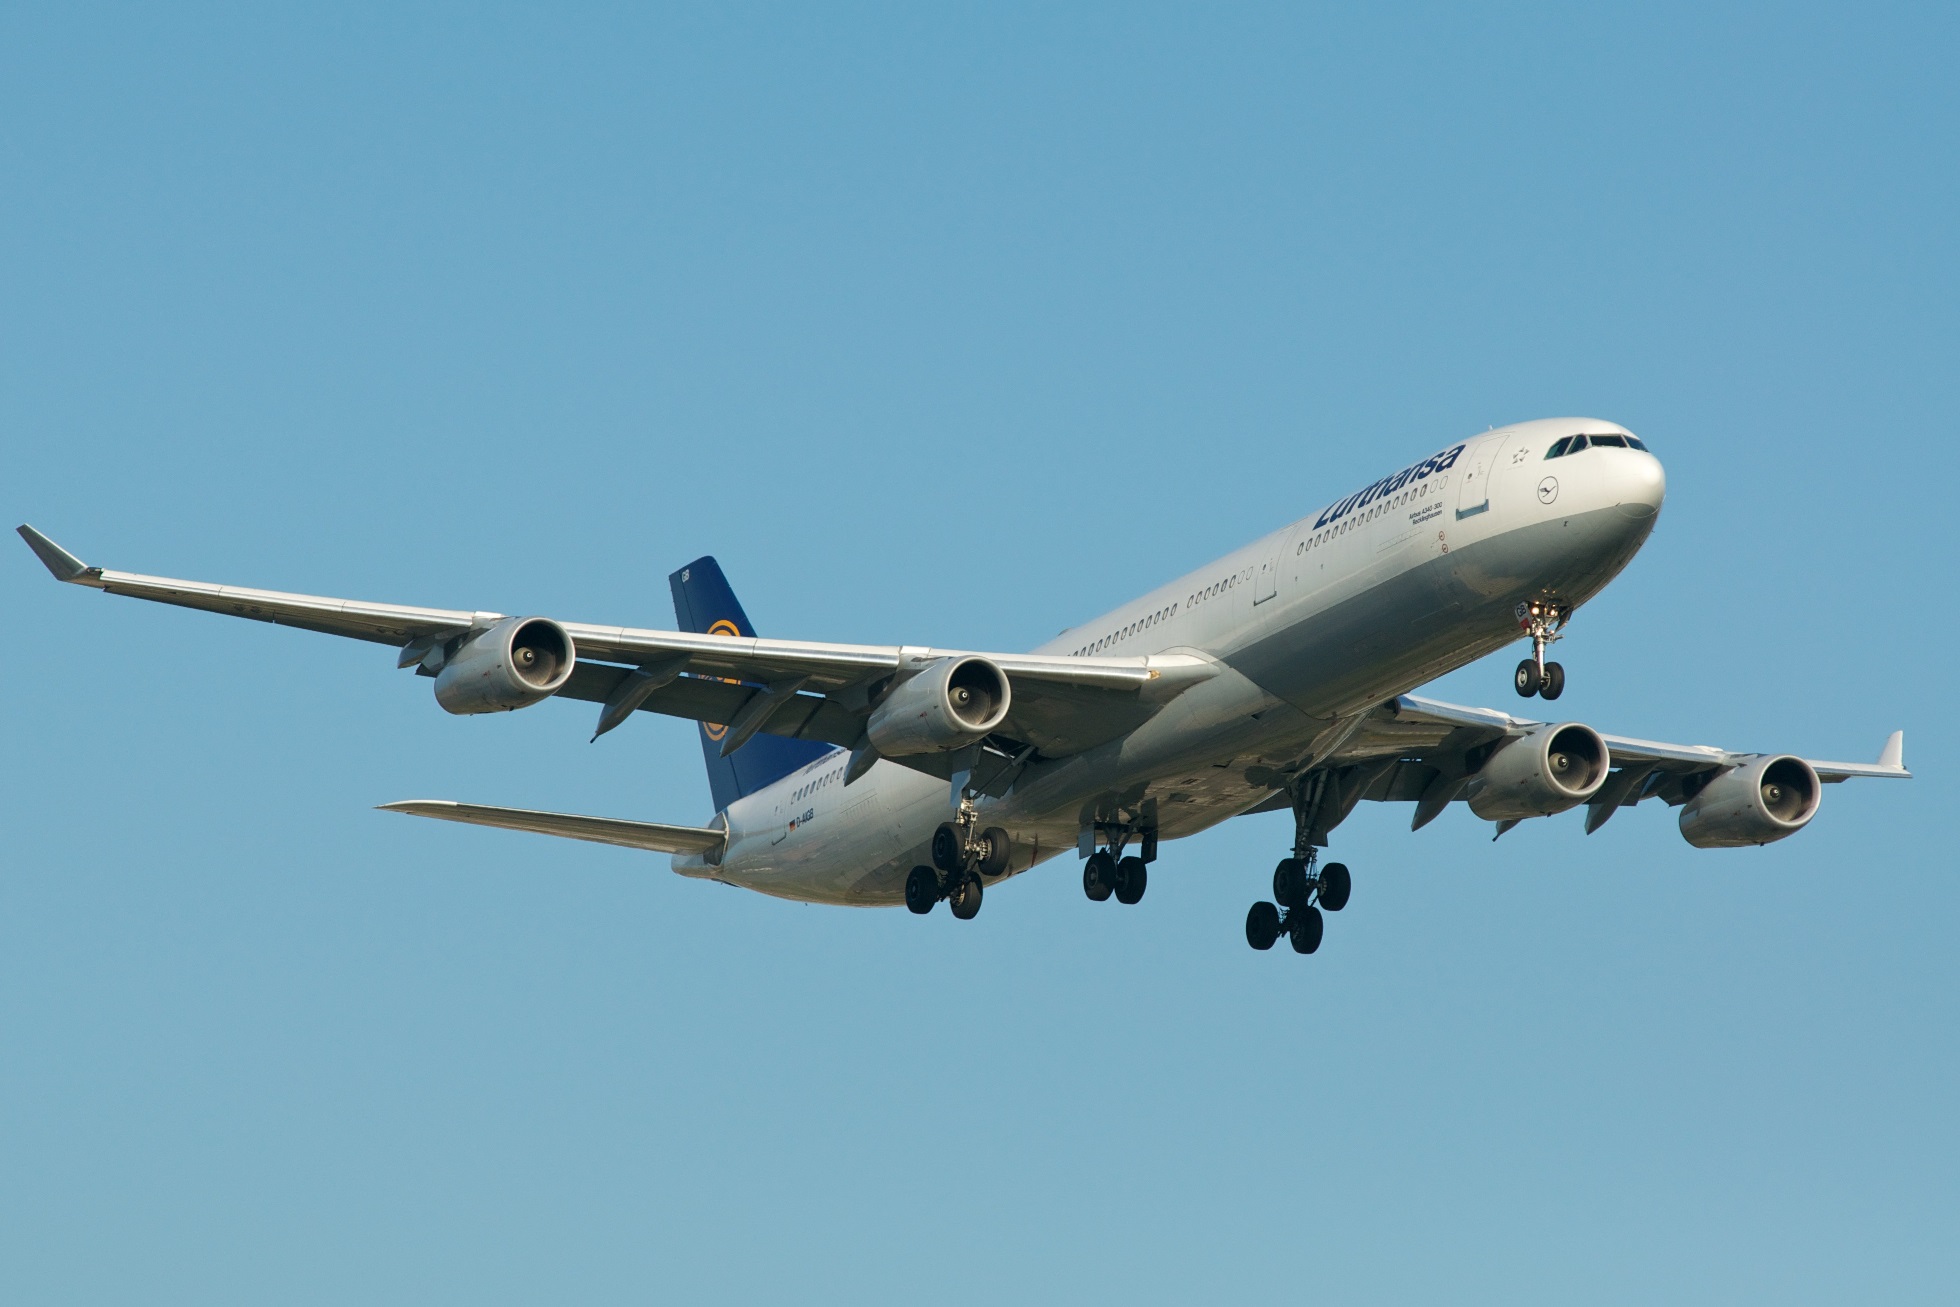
1266, 585
1473, 483
1507, 457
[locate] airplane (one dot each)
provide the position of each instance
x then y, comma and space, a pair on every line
1279, 677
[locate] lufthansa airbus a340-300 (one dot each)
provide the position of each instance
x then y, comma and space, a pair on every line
1277, 678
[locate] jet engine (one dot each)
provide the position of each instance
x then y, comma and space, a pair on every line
1755, 803
514, 664
1551, 769
951, 704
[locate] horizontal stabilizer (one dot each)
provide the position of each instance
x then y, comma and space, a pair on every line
601, 830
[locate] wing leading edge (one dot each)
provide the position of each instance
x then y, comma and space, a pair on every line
1061, 705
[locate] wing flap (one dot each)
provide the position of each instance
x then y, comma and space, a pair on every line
652, 836
711, 699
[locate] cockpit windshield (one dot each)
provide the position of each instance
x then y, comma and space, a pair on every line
1611, 439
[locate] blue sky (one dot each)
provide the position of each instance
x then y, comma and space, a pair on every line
955, 326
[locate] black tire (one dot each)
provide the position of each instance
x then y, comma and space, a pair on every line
1131, 878
1527, 679
1099, 876
1290, 883
1335, 886
965, 901
1554, 683
1305, 927
999, 848
921, 890
1262, 926
947, 852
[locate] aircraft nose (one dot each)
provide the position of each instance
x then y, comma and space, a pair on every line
1641, 485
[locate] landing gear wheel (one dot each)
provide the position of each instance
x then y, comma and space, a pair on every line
1554, 684
947, 853
965, 900
1131, 877
1527, 679
1290, 883
921, 890
998, 847
1304, 927
1262, 926
1335, 886
1098, 876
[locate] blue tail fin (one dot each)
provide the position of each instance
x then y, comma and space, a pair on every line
704, 603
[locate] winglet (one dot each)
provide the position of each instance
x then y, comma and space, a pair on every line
1894, 752
64, 565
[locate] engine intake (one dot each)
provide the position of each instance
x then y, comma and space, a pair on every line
949, 705
516, 663
1549, 770
1760, 801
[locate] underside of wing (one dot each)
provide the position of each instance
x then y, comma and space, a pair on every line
1430, 753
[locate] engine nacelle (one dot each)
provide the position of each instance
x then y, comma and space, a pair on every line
949, 705
1551, 769
514, 664
1755, 803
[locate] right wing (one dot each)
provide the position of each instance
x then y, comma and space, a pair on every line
1060, 705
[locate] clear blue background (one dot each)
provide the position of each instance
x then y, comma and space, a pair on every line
955, 326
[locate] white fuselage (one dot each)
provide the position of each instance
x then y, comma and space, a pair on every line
1365, 600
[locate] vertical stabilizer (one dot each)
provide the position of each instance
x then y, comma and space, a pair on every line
703, 602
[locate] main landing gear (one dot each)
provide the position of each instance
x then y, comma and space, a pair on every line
961, 857
1302, 891
1304, 894
1108, 871
1541, 619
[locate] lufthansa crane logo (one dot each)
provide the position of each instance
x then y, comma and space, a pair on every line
716, 730
1548, 490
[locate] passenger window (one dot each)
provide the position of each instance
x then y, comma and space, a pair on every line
1558, 447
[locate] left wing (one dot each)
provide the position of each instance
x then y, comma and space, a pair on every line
1424, 751
1059, 705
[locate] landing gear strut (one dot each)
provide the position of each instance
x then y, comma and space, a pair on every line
1108, 871
961, 856
1541, 619
1301, 891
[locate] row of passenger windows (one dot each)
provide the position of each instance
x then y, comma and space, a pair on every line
828, 778
1216, 588
1420, 491
1573, 444
1140, 625
1369, 514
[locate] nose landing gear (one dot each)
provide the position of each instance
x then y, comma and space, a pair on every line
1301, 892
1541, 619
